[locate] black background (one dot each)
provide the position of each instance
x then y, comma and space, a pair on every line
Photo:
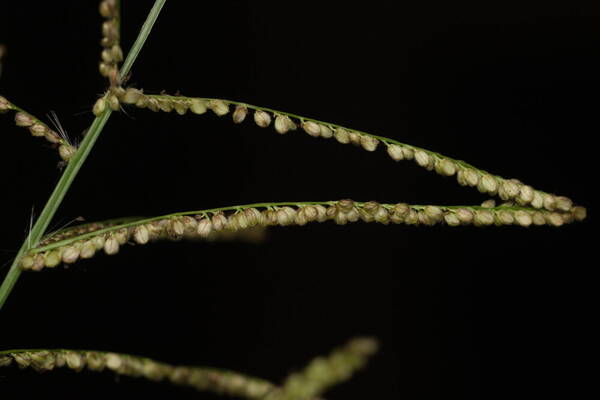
460, 312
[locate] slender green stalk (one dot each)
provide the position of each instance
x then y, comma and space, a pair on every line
75, 164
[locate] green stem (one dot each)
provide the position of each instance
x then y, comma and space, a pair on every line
75, 164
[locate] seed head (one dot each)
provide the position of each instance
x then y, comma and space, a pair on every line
491, 203
66, 151
505, 217
345, 205
488, 184
88, 249
283, 124
205, 226
523, 218
198, 106
141, 234
219, 107
483, 217
23, 119
451, 219
549, 202
132, 96
52, 258
342, 136
326, 132
70, 254
422, 158
525, 194
445, 167
239, 114
464, 215
395, 152
579, 213
563, 203
312, 128
369, 143
111, 245
538, 200
4, 105
262, 118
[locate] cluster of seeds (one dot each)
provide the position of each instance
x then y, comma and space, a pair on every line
112, 54
208, 224
325, 372
39, 129
466, 175
203, 379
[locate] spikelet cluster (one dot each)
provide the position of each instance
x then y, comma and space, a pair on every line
112, 54
208, 224
506, 189
203, 379
325, 372
37, 128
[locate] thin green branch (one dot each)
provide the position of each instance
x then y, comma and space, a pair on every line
74, 165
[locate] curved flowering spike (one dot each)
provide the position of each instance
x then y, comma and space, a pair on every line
202, 379
244, 222
466, 174
324, 372
37, 128
111, 54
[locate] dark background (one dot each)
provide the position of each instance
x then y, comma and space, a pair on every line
460, 312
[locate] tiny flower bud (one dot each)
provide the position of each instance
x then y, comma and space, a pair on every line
262, 118
111, 245
205, 226
74, 360
218, 107
27, 262
354, 138
4, 105
563, 203
312, 128
198, 106
283, 124
180, 107
408, 153
219, 221
88, 249
23, 119
464, 215
395, 152
353, 215
369, 143
488, 184
579, 213
66, 151
342, 136
311, 213
321, 213
549, 202
422, 158
554, 219
37, 130
52, 258
523, 218
525, 194
505, 217
538, 218
345, 205
471, 177
141, 234
483, 217
113, 361
538, 200
165, 105
508, 190
70, 254
117, 53
451, 219
341, 218
131, 96
491, 203
326, 132
412, 217
301, 217
239, 115
445, 167
113, 102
